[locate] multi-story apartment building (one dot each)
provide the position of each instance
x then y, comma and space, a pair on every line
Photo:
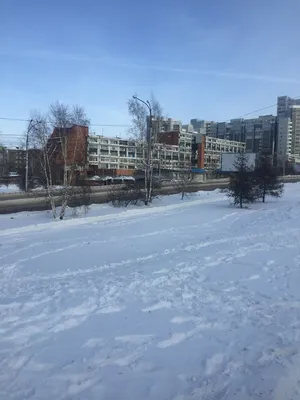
295, 142
172, 151
257, 133
173, 132
202, 126
260, 134
116, 154
3, 161
207, 151
237, 130
288, 132
178, 147
284, 103
284, 138
16, 159
180, 155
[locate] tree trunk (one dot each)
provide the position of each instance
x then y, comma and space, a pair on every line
146, 184
264, 195
47, 171
63, 209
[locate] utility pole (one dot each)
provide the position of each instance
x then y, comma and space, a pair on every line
27, 158
253, 143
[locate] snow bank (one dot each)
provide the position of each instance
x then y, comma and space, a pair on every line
9, 189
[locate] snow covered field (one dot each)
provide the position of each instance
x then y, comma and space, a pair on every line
186, 300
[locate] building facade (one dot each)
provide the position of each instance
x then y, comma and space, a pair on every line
116, 154
3, 161
181, 137
207, 151
16, 159
295, 136
67, 151
288, 132
284, 103
202, 126
171, 151
259, 133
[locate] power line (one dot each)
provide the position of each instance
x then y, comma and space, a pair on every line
265, 108
15, 119
48, 122
126, 125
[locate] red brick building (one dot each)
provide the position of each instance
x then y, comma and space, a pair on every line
201, 153
68, 147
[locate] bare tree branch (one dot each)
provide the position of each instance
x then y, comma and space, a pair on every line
63, 118
146, 134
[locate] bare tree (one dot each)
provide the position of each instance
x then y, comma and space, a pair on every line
63, 148
125, 196
71, 149
43, 153
183, 182
146, 121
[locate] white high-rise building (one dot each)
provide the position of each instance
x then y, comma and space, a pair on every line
284, 103
284, 138
288, 132
295, 143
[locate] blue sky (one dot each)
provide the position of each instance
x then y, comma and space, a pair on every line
201, 59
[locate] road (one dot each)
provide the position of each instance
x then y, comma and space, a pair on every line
17, 202
13, 203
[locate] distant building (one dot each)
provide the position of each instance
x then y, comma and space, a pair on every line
16, 159
117, 156
259, 133
295, 136
207, 151
179, 156
284, 103
68, 148
112, 154
237, 130
288, 132
202, 126
3, 161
